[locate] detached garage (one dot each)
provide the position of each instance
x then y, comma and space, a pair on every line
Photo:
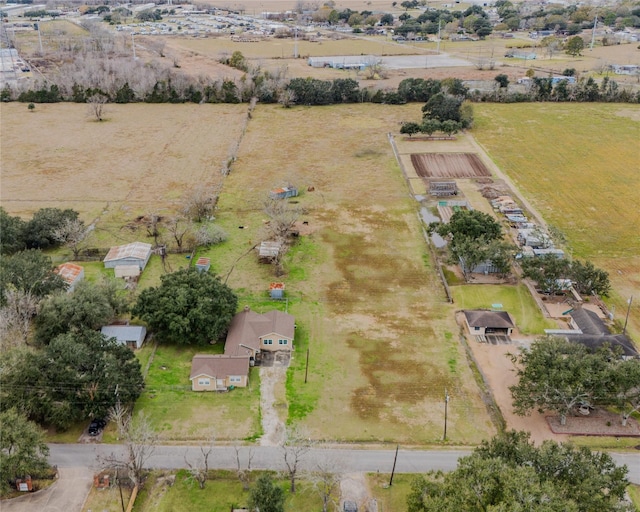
481, 322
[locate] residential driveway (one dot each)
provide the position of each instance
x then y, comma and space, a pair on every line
66, 495
278, 358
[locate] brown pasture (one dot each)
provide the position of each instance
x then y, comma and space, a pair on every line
449, 165
141, 157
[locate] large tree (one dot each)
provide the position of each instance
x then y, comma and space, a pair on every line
39, 231
560, 376
23, 449
30, 272
76, 376
510, 473
90, 306
469, 223
11, 233
548, 271
189, 307
266, 496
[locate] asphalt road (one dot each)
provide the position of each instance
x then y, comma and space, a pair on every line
349, 460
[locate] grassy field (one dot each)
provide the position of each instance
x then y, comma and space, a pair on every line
148, 157
221, 492
578, 164
379, 329
178, 413
515, 299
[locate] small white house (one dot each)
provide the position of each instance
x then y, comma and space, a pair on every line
136, 253
130, 335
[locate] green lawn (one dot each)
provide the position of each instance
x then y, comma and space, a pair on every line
515, 299
221, 492
177, 413
390, 498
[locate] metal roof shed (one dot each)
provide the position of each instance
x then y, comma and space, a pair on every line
130, 335
136, 253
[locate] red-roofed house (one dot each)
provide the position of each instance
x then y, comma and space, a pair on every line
71, 273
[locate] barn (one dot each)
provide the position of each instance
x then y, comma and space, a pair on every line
136, 253
71, 273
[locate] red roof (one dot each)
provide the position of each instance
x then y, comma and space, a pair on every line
276, 286
69, 272
203, 261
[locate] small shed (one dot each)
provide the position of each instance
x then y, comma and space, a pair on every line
136, 253
558, 253
276, 290
484, 321
269, 251
71, 273
283, 193
127, 271
203, 264
130, 335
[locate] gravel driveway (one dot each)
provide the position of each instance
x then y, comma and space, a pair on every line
68, 494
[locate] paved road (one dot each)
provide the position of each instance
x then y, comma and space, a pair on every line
265, 457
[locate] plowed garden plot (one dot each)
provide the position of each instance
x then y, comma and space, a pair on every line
449, 165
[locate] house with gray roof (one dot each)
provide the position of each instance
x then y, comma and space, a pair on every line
130, 335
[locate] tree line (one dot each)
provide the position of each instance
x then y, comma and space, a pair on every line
169, 86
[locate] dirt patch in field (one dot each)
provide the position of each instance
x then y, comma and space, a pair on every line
449, 165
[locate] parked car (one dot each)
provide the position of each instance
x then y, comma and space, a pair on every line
96, 426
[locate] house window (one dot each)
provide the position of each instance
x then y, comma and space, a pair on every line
477, 328
235, 379
204, 382
268, 342
283, 342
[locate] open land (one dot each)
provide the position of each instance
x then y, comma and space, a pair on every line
380, 365
383, 343
578, 165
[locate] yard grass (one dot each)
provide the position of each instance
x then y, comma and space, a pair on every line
634, 493
177, 413
515, 299
108, 499
577, 164
223, 490
390, 498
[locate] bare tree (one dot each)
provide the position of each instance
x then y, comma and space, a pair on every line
15, 317
139, 440
96, 106
375, 69
200, 202
294, 448
243, 472
153, 224
200, 471
72, 233
325, 478
282, 217
286, 97
178, 226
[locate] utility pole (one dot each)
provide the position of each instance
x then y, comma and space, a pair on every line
626, 319
133, 45
438, 47
446, 406
306, 369
393, 470
295, 44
